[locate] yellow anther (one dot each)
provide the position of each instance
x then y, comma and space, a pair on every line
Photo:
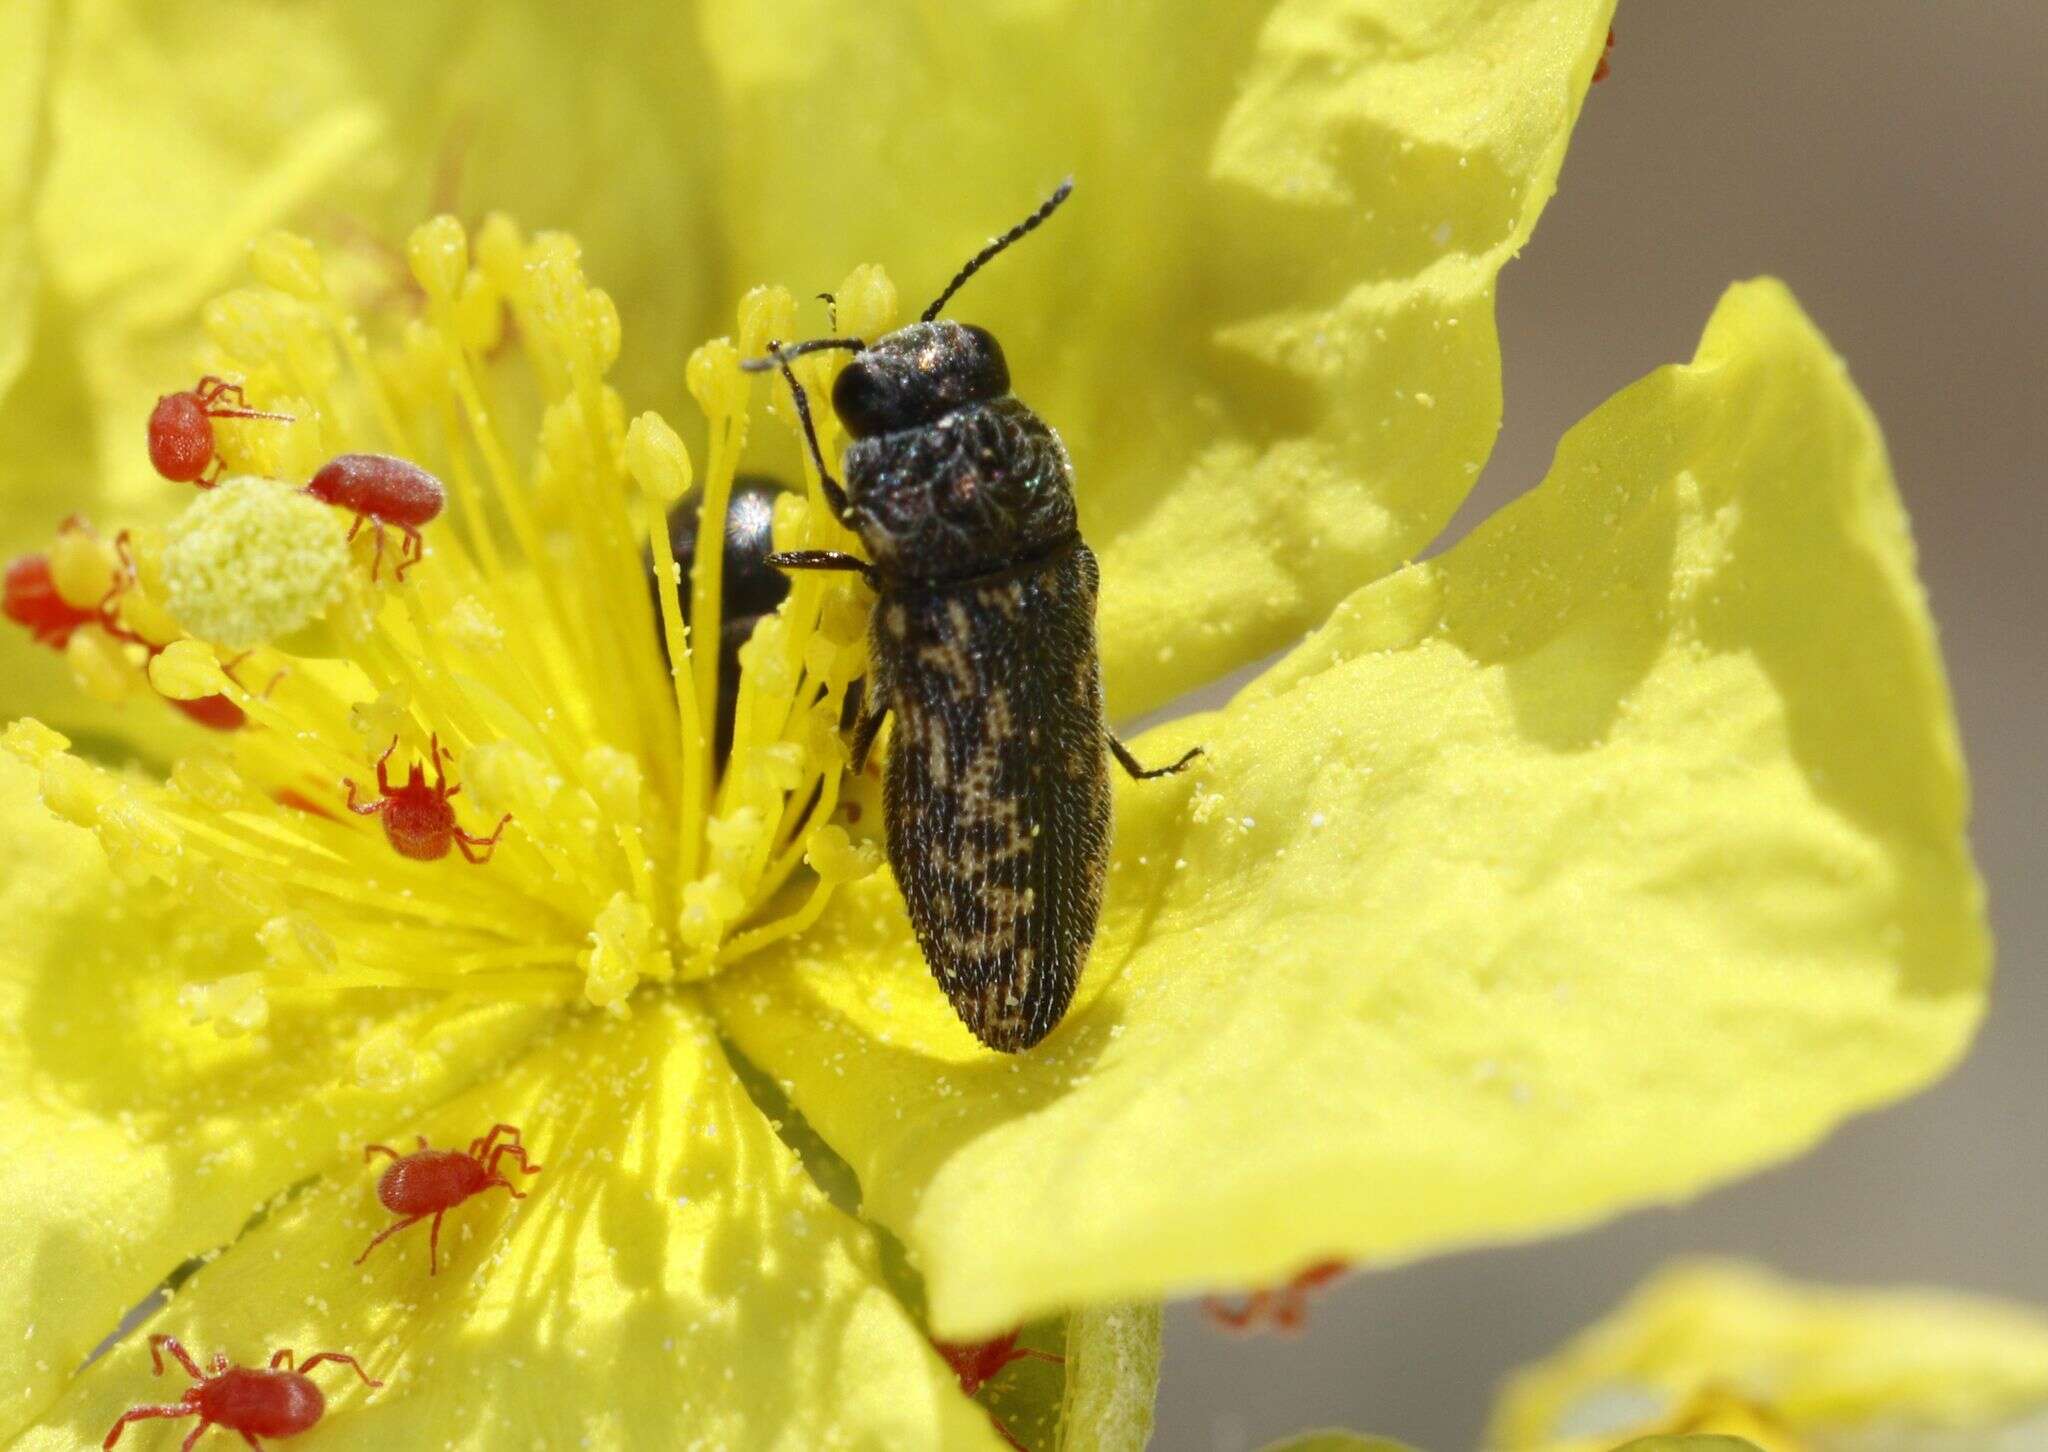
138, 842
388, 1061
75, 790
209, 780
501, 253
185, 670
479, 314
29, 740
614, 780
621, 951
251, 560
82, 567
791, 522
715, 380
438, 253
235, 1005
764, 659
734, 836
508, 778
470, 625
601, 328
766, 314
100, 665
866, 303
274, 333
376, 722
709, 905
780, 765
289, 263
657, 460
295, 941
837, 858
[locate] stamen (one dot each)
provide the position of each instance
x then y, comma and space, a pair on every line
514, 672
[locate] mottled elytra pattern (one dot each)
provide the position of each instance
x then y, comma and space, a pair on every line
998, 801
983, 646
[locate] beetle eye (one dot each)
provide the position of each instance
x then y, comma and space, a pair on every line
861, 400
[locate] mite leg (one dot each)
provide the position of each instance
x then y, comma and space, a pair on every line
283, 1358
361, 809
1129, 763
346, 1360
490, 844
198, 1432
250, 1438
411, 552
826, 560
482, 1146
144, 1414
511, 1151
160, 1343
434, 1245
388, 1231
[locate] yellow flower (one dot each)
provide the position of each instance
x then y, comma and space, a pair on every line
1715, 1347
1611, 853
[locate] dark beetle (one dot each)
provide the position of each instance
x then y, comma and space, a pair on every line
749, 589
982, 642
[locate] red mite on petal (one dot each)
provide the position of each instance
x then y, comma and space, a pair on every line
431, 1182
1277, 1308
272, 1401
381, 490
31, 599
181, 429
418, 822
1601, 71
975, 1363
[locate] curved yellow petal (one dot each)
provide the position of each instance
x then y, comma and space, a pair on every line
1614, 853
1823, 1367
133, 1140
1335, 1441
1264, 325
671, 1278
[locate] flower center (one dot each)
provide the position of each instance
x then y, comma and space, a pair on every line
458, 749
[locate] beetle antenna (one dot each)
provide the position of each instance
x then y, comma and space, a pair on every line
779, 353
982, 258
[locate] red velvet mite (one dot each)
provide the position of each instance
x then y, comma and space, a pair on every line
380, 490
32, 600
1278, 1308
418, 822
181, 429
976, 1363
431, 1182
273, 1401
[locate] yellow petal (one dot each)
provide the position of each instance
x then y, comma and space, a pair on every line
671, 1279
25, 40
1615, 853
1264, 324
133, 1141
1335, 1441
1830, 1367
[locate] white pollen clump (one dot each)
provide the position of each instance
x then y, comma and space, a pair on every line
251, 560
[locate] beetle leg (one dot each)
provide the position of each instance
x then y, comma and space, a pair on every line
1129, 763
864, 738
825, 560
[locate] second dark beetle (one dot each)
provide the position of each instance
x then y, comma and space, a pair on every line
982, 643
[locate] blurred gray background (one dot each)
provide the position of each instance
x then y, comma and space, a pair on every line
1889, 159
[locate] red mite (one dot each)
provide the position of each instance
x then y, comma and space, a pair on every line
1603, 70
31, 599
257, 1402
418, 821
1279, 1308
381, 490
181, 429
976, 1363
433, 1182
